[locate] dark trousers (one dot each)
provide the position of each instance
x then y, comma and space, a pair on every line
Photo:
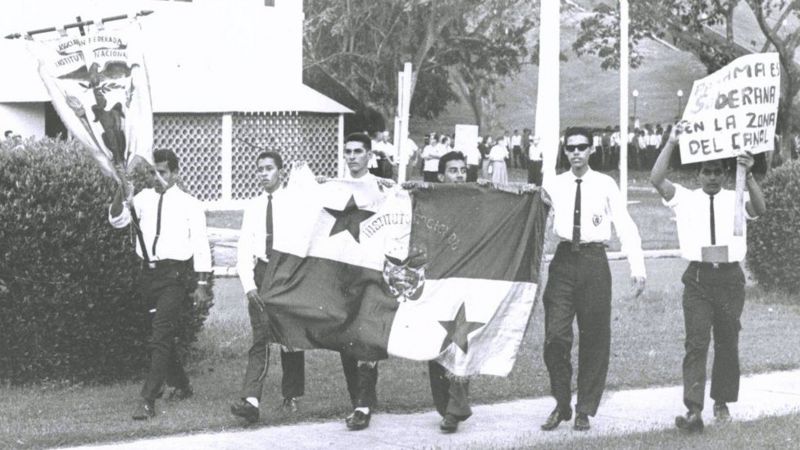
472, 173
579, 284
361, 378
449, 396
292, 362
535, 172
713, 299
165, 289
516, 156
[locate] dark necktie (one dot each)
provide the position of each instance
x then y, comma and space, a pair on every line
576, 217
711, 221
158, 223
268, 245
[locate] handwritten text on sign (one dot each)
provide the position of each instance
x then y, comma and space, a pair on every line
733, 110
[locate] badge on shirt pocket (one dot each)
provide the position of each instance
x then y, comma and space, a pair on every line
597, 219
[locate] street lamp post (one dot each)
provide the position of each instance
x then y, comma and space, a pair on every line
680, 98
635, 98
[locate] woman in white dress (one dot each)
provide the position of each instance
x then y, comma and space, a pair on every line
497, 163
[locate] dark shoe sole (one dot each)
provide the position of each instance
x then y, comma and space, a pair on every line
548, 425
577, 427
249, 417
690, 427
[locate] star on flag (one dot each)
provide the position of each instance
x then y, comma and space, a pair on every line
349, 219
458, 329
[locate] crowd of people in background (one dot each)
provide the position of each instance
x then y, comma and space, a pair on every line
494, 155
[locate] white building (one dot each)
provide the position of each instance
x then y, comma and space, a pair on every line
222, 72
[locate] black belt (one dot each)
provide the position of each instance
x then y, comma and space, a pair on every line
165, 264
584, 245
710, 265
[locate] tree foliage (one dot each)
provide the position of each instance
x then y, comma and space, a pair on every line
362, 45
69, 307
687, 22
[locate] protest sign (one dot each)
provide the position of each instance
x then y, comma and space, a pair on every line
733, 110
466, 138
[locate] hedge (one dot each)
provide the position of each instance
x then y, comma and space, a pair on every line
773, 241
69, 310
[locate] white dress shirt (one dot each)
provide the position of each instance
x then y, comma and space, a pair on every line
183, 232
693, 216
601, 203
516, 141
473, 156
498, 153
253, 238
434, 151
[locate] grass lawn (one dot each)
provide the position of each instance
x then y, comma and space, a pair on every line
768, 432
647, 348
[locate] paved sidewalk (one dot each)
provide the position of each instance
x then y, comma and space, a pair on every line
499, 425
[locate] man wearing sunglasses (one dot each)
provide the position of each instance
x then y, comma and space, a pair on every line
713, 293
584, 204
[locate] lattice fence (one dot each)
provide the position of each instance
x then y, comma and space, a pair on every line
304, 136
197, 140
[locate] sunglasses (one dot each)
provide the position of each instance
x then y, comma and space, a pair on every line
579, 147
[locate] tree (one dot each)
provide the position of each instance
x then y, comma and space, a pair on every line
686, 22
362, 44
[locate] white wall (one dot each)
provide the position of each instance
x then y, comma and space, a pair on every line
209, 53
24, 119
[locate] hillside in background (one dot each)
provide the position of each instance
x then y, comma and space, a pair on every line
589, 95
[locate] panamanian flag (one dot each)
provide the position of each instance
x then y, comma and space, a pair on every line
446, 273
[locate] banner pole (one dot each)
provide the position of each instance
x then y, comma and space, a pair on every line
738, 212
79, 24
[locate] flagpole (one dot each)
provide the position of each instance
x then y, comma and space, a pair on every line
548, 127
78, 24
623, 98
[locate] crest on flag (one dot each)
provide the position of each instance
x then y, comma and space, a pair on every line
99, 88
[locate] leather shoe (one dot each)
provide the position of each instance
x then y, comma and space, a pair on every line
181, 393
581, 422
692, 422
358, 420
556, 417
721, 413
289, 404
145, 409
245, 410
449, 424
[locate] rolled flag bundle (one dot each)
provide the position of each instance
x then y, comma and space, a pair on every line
99, 87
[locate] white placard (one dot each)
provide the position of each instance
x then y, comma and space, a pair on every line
466, 138
733, 110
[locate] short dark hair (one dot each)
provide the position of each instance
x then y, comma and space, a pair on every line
273, 155
168, 156
7, 133
360, 137
450, 156
578, 131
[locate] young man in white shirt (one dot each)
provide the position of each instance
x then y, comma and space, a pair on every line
713, 295
255, 245
584, 204
173, 245
361, 376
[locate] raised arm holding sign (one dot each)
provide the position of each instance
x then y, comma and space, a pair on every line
732, 111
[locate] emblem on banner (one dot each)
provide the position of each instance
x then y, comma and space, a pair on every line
597, 219
405, 279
